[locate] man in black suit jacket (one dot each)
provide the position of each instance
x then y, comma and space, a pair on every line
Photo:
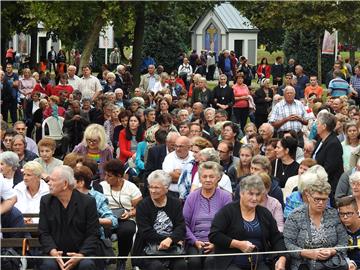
156, 156
69, 224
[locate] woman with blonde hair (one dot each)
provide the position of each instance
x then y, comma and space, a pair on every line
350, 143
94, 146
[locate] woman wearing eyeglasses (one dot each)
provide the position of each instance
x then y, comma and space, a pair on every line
246, 227
94, 146
314, 226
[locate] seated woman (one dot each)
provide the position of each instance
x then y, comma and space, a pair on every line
94, 146
296, 198
30, 191
9, 172
314, 226
124, 197
272, 204
354, 180
54, 109
199, 210
246, 227
160, 222
47, 148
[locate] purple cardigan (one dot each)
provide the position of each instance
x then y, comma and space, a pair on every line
220, 198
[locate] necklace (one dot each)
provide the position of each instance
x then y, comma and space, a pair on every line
284, 168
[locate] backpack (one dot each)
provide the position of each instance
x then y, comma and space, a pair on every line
10, 263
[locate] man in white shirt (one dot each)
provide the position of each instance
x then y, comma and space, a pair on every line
149, 79
175, 161
89, 85
73, 79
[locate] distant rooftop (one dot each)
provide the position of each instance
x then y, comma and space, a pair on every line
230, 17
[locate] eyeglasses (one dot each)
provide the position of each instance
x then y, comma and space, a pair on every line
318, 200
91, 141
346, 214
222, 152
355, 184
180, 146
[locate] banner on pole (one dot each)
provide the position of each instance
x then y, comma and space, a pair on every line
106, 37
328, 46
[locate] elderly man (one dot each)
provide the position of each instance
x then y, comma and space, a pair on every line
225, 65
21, 128
289, 114
175, 162
89, 85
266, 131
149, 79
301, 81
197, 111
156, 156
73, 79
124, 78
114, 58
69, 224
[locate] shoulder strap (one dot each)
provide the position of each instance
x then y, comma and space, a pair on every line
308, 223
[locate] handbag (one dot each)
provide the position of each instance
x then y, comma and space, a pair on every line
117, 212
336, 262
252, 105
153, 250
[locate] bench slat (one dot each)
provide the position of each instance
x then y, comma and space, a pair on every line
17, 242
20, 229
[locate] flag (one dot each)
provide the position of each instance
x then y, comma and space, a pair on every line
328, 46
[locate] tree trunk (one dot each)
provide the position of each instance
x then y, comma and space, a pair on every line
138, 41
91, 40
319, 58
33, 50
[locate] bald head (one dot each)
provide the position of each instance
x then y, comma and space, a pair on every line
182, 146
266, 131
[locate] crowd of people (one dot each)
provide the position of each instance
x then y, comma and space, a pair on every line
172, 167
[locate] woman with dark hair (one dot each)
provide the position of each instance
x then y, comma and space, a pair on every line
263, 101
129, 138
163, 106
285, 165
264, 69
123, 197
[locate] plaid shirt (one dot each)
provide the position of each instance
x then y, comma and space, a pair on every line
355, 83
102, 206
283, 110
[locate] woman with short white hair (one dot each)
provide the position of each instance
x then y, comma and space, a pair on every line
354, 180
30, 191
9, 163
160, 224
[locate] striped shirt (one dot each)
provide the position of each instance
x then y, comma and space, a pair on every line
339, 87
283, 110
355, 83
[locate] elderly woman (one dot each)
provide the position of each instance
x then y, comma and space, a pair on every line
30, 191
354, 180
210, 154
47, 148
246, 227
328, 150
9, 164
314, 226
199, 210
297, 198
272, 204
94, 146
160, 223
19, 147
123, 197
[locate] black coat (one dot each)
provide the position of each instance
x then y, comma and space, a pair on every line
262, 106
81, 231
224, 96
228, 224
155, 159
330, 157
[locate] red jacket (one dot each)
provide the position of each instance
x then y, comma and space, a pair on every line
267, 71
59, 88
47, 90
125, 146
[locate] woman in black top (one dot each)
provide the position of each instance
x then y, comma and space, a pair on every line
246, 227
285, 165
263, 100
160, 222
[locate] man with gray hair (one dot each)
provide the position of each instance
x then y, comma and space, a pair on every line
73, 79
68, 225
289, 114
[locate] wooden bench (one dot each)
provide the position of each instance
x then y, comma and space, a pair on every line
18, 242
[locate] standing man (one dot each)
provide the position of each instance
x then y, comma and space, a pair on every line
289, 114
338, 86
355, 84
185, 72
114, 58
89, 85
225, 65
277, 71
211, 66
313, 88
9, 93
148, 80
69, 224
124, 79
246, 69
73, 79
302, 81
51, 56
